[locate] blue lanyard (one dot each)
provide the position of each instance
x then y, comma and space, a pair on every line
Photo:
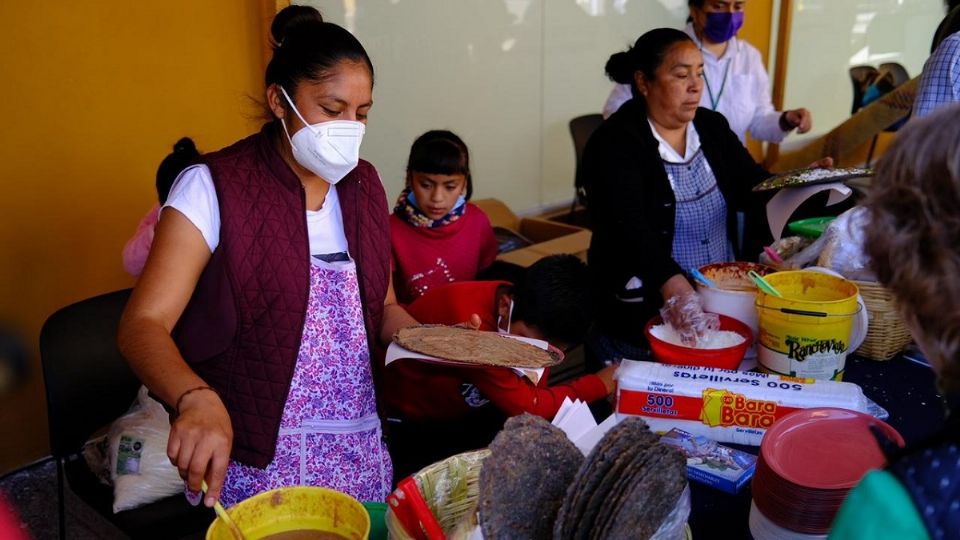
715, 101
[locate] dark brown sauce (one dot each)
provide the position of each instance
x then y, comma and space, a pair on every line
305, 534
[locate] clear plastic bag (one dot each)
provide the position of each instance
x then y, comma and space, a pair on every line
840, 248
784, 248
674, 527
843, 251
139, 466
806, 256
685, 314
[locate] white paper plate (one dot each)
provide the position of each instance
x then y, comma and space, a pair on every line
763, 529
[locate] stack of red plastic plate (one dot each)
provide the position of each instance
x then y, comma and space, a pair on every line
808, 462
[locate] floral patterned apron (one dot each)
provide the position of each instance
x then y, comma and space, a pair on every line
330, 433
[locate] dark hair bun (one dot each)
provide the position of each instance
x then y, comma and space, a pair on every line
184, 154
620, 68
291, 17
185, 146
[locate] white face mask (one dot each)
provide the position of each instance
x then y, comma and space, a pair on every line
509, 320
329, 150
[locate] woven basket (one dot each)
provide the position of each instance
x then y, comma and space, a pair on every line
451, 489
886, 333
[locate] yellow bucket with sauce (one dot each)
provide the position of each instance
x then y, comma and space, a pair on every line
807, 332
296, 513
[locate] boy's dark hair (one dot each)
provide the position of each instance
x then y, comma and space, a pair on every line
440, 151
184, 154
554, 296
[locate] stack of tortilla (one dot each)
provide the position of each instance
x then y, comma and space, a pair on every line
536, 485
626, 487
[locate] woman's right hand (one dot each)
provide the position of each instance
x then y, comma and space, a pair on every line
200, 441
682, 309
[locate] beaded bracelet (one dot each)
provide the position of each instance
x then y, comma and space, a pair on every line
188, 392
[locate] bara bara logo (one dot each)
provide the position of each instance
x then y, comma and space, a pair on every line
724, 408
800, 351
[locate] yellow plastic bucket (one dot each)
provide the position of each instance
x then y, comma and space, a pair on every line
298, 508
807, 332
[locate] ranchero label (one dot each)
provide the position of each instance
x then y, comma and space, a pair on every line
800, 352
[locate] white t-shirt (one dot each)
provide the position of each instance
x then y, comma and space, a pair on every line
194, 196
745, 100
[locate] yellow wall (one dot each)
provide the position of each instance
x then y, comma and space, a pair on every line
94, 96
756, 31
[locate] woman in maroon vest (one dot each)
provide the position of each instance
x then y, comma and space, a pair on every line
268, 286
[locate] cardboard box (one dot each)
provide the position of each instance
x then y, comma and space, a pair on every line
549, 237
711, 463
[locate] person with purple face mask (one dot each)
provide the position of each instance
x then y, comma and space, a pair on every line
735, 81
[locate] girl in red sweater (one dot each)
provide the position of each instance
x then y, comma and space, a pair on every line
437, 236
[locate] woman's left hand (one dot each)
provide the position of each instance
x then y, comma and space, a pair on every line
801, 119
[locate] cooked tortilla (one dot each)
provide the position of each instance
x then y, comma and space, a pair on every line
525, 479
474, 347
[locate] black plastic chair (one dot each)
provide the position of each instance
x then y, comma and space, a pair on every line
88, 386
581, 128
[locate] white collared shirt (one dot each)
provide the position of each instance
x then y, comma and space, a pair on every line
745, 101
670, 155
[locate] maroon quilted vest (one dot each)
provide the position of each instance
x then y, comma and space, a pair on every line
241, 330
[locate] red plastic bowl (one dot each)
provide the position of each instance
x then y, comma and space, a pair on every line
726, 358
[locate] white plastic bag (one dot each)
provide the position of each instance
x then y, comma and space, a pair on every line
139, 466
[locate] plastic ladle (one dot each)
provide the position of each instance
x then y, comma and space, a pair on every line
698, 275
222, 514
763, 285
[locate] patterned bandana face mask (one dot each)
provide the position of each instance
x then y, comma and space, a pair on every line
408, 210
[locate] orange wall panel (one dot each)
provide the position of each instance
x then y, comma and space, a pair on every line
94, 96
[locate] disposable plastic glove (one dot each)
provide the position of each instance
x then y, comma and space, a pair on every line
685, 314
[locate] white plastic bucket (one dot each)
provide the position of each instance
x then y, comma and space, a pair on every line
735, 296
